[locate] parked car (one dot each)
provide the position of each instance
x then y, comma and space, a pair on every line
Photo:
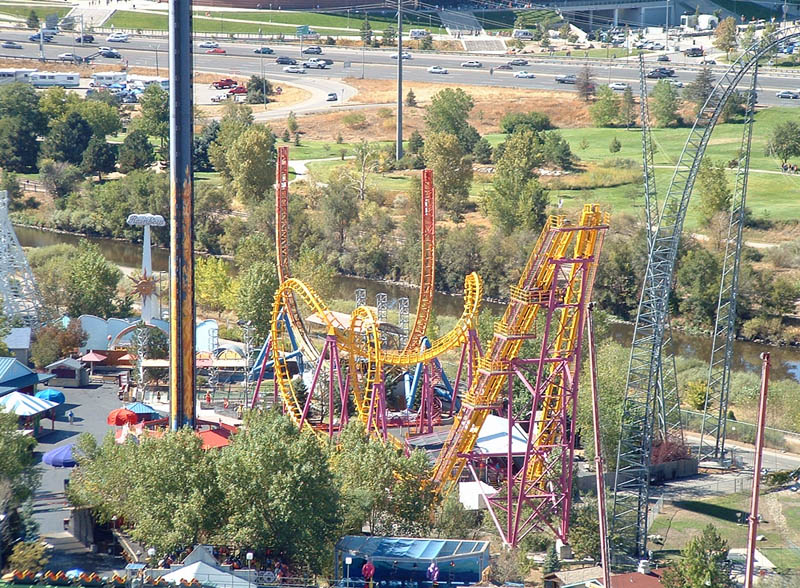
237, 90
788, 94
216, 51
566, 79
209, 45
11, 45
518, 61
524, 74
263, 50
657, 46
225, 83
332, 97
313, 50
472, 63
404, 55
84, 39
618, 85
283, 60
296, 69
709, 62
436, 69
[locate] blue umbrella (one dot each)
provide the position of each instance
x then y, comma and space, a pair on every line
61, 457
52, 395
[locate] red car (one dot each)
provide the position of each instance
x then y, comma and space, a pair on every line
216, 51
238, 90
225, 83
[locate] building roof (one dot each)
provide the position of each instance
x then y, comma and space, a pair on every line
19, 338
398, 548
14, 375
633, 580
577, 577
67, 362
214, 438
25, 405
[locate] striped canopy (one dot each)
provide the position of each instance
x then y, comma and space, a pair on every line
24, 405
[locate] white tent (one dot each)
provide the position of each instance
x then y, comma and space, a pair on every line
208, 576
24, 405
470, 494
493, 437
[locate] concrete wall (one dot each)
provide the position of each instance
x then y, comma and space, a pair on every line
663, 472
81, 525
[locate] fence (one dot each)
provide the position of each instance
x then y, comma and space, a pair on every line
745, 432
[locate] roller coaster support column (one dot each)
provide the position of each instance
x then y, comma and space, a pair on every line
330, 352
181, 205
471, 352
599, 462
762, 416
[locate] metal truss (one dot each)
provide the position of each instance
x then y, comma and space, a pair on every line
715, 412
646, 369
19, 296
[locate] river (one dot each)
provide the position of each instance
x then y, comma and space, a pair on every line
746, 355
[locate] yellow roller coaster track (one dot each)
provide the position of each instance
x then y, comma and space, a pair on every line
525, 300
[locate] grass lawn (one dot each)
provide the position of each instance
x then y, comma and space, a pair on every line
503, 20
318, 149
389, 182
42, 10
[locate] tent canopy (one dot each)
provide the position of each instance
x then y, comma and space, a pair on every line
207, 575
24, 405
493, 437
122, 416
61, 457
93, 356
52, 395
141, 409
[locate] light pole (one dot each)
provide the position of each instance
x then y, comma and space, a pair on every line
666, 30
399, 138
263, 78
156, 60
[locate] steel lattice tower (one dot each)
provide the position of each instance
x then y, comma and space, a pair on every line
647, 383
21, 298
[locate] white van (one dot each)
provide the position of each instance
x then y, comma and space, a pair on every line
42, 79
523, 34
418, 33
117, 38
106, 78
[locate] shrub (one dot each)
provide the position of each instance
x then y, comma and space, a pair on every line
354, 120
615, 146
28, 556
762, 327
384, 112
535, 121
695, 394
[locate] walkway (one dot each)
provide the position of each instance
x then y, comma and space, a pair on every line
463, 22
93, 16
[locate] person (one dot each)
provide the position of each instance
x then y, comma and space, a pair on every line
491, 70
70, 416
433, 573
368, 571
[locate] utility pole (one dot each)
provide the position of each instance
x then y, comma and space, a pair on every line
666, 30
181, 226
399, 139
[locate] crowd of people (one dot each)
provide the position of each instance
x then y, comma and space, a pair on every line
789, 168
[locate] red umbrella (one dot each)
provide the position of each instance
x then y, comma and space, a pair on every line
121, 416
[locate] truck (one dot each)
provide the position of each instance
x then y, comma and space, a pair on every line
418, 33
224, 83
694, 52
315, 63
522, 34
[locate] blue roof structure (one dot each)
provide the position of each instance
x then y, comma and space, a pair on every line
14, 375
407, 559
19, 338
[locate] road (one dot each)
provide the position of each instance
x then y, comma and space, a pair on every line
240, 60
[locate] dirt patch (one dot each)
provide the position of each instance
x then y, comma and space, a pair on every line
290, 96
83, 69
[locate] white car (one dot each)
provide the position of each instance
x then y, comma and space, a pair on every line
618, 85
117, 38
472, 64
524, 74
209, 45
294, 69
657, 46
219, 98
676, 83
435, 69
67, 57
404, 55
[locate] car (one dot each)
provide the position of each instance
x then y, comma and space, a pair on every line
35, 37
788, 94
11, 45
70, 57
662, 58
657, 46
504, 67
404, 55
225, 83
656, 74
313, 50
667, 71
294, 69
314, 64
117, 38
618, 85
694, 52
219, 98
324, 60
567, 79
110, 53
216, 51
332, 97
263, 50
209, 45
676, 83
283, 60
472, 64
518, 61
437, 69
84, 39
524, 74
709, 62
237, 90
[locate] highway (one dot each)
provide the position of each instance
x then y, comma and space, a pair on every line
378, 64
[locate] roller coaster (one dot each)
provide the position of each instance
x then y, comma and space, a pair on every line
528, 375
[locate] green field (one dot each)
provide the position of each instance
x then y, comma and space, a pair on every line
503, 20
42, 10
270, 21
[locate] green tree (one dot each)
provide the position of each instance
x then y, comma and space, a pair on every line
532, 121
584, 83
452, 171
411, 99
556, 150
704, 563
665, 104
627, 108
316, 271
482, 151
154, 119
59, 178
68, 139
236, 119
200, 145
21, 100
448, 112
777, 295
32, 556
92, 284
767, 33
19, 475
698, 90
213, 284
256, 291
251, 162
426, 43
617, 284
33, 20
453, 521
338, 205
748, 36
389, 36
279, 491
784, 141
715, 191
615, 145
725, 35
21, 124
367, 160
415, 142
517, 200
366, 31
100, 157
695, 394
551, 562
10, 183
259, 89
55, 102
584, 531
605, 110
103, 118
291, 123
697, 288
53, 342
136, 152
212, 207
